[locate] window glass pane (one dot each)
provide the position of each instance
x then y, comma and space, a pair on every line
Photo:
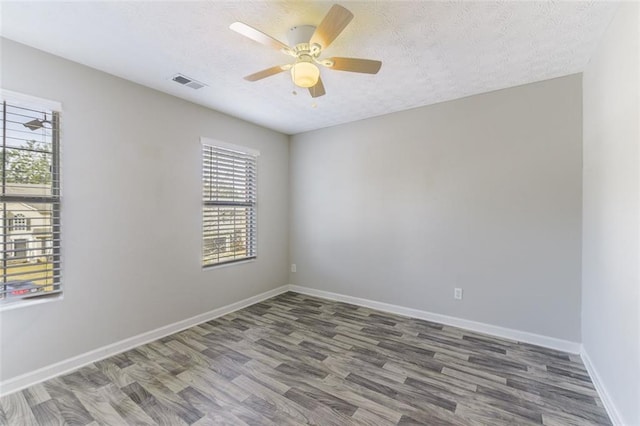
29, 256
229, 205
29, 204
27, 172
228, 233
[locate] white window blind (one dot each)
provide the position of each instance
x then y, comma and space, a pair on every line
229, 214
29, 201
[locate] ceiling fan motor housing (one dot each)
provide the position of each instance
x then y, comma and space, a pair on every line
300, 35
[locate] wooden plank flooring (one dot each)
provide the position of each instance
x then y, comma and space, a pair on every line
295, 359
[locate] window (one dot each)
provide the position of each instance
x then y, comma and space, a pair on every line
29, 198
19, 223
229, 186
20, 249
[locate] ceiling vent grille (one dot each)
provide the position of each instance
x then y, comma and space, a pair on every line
187, 81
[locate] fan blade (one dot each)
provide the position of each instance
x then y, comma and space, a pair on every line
331, 26
317, 90
267, 73
259, 36
366, 66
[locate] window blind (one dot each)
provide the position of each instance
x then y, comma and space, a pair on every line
229, 216
29, 202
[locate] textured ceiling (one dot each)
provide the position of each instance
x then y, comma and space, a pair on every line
431, 51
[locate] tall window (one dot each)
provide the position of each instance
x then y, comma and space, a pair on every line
29, 199
229, 175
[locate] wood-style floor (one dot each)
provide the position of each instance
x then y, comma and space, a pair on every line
295, 359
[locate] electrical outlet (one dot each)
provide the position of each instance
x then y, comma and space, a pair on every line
457, 293
293, 267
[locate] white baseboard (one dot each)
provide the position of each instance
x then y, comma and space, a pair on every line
507, 333
612, 411
20, 382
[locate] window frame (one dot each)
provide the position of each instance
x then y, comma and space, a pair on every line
251, 228
52, 108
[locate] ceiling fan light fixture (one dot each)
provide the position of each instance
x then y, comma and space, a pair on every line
305, 74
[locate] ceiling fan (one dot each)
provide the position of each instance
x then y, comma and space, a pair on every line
307, 43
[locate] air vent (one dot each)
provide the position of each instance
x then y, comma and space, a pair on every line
186, 81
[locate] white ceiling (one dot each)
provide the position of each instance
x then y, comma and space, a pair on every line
431, 51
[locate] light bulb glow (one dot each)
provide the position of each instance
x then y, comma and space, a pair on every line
305, 74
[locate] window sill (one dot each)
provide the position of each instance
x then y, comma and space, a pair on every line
25, 303
226, 265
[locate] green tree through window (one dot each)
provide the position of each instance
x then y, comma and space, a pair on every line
30, 163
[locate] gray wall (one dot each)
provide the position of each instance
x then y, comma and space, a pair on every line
611, 212
482, 193
132, 212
